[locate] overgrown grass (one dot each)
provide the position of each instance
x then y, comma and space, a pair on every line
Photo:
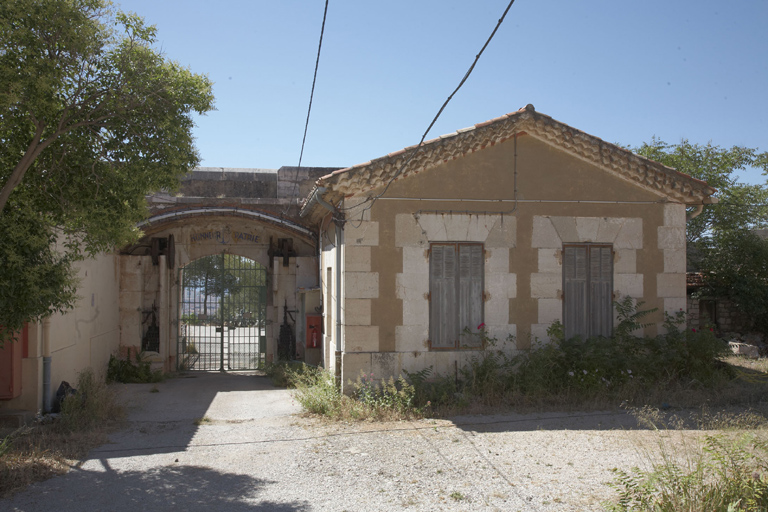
681, 368
39, 452
316, 391
725, 471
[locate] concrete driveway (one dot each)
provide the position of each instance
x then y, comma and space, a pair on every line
182, 450
232, 442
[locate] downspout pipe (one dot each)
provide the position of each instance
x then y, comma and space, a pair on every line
46, 365
695, 213
700, 208
339, 231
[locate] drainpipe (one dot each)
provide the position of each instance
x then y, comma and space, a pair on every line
695, 213
46, 365
339, 242
338, 219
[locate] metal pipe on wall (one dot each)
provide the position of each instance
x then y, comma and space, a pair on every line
46, 326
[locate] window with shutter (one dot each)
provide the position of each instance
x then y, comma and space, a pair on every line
588, 290
456, 272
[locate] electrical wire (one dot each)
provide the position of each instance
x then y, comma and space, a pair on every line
373, 199
314, 80
309, 109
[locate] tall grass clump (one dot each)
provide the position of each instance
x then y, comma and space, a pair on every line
93, 405
725, 472
34, 453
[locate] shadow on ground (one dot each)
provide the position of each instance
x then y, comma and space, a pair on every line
188, 488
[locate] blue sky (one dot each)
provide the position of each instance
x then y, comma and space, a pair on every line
622, 71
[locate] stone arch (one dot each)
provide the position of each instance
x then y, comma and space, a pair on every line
286, 249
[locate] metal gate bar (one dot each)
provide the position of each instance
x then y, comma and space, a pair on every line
222, 314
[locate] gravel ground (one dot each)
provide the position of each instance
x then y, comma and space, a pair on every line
233, 442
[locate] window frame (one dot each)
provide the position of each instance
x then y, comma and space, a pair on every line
589, 294
476, 284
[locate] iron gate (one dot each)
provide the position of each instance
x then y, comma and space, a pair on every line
222, 314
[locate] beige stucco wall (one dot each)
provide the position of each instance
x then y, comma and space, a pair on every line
560, 199
83, 337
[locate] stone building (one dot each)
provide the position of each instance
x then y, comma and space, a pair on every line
499, 229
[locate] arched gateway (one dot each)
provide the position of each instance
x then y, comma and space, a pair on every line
225, 275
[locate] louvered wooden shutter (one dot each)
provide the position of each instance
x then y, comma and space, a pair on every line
600, 291
443, 324
470, 293
575, 293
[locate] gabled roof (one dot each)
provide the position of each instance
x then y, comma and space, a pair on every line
636, 169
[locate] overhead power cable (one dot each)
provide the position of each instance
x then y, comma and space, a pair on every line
309, 111
314, 79
372, 200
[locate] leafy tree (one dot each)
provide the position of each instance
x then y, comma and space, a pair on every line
741, 205
721, 241
92, 119
211, 277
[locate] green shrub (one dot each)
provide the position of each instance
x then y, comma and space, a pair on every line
315, 390
132, 372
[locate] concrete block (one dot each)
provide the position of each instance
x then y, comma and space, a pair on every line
566, 228
361, 285
544, 234
456, 227
670, 285
546, 285
550, 260
671, 238
628, 285
498, 286
358, 338
539, 335
411, 337
550, 310
630, 235
434, 227
412, 287
357, 258
501, 332
415, 260
441, 362
385, 365
366, 233
511, 286
415, 310
497, 261
625, 261
480, 226
503, 233
744, 349
587, 228
674, 215
408, 232
496, 310
674, 260
608, 229
357, 312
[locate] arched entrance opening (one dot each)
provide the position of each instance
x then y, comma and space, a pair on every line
222, 314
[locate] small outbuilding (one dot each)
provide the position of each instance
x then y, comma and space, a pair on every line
495, 231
